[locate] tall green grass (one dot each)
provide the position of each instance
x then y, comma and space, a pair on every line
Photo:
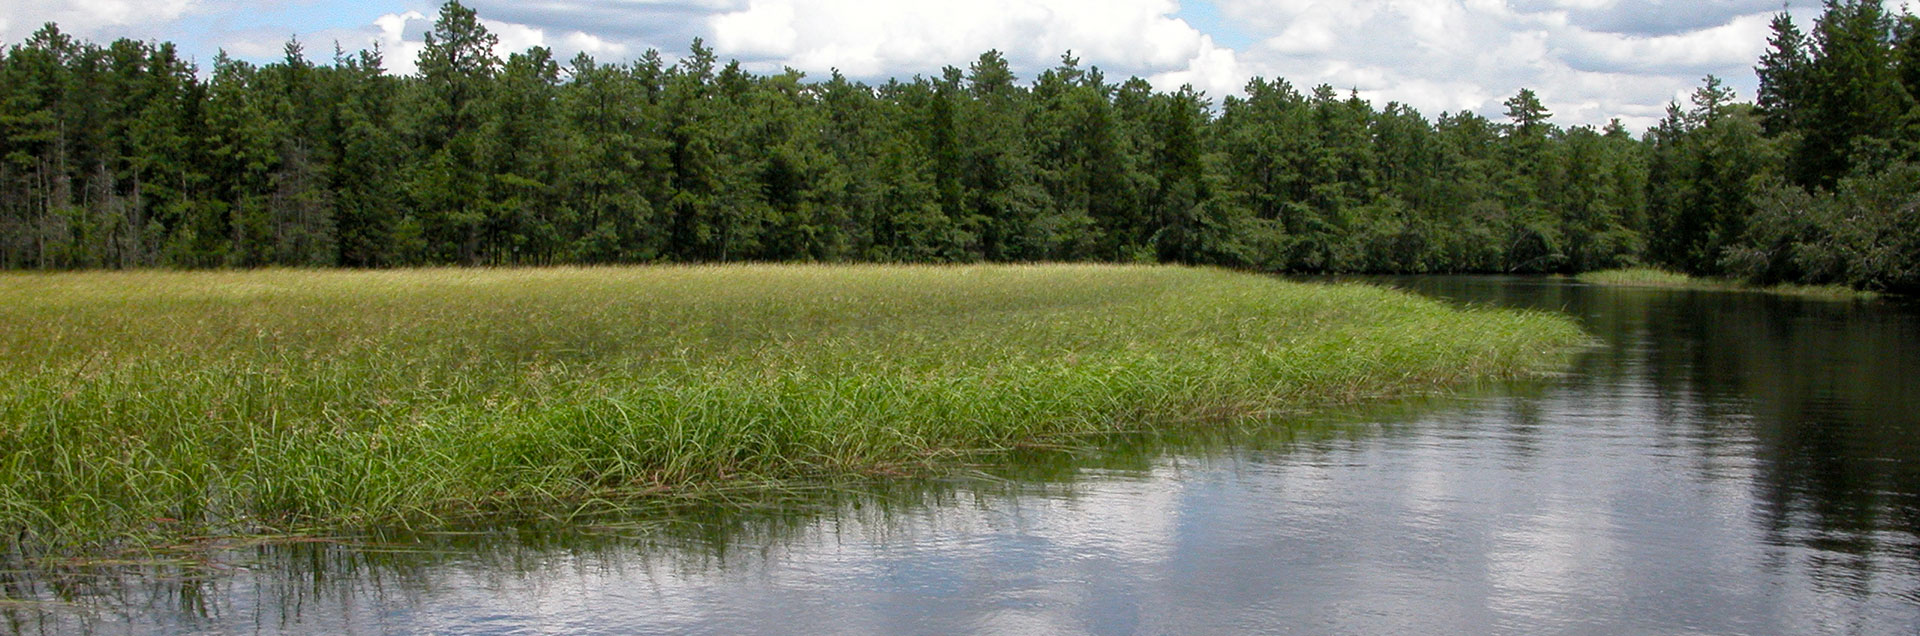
1649, 277
144, 407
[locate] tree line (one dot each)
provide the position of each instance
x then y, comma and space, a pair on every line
122, 156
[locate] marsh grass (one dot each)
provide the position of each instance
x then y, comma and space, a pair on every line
1649, 277
152, 407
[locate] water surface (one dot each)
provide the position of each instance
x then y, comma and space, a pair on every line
1719, 463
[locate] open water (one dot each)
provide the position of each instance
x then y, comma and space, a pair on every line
1718, 463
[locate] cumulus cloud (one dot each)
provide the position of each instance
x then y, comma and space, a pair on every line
1213, 69
88, 18
402, 36
1656, 17
1736, 43
635, 25
865, 39
1590, 60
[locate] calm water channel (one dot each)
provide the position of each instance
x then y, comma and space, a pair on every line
1721, 464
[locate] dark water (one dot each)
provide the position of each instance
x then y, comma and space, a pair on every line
1721, 464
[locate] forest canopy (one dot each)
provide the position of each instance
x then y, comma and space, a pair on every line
125, 155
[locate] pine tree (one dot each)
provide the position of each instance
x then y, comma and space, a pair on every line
1531, 233
524, 121
1710, 102
693, 129
1784, 77
1855, 112
1708, 160
301, 203
36, 121
1906, 54
365, 178
613, 165
998, 174
240, 232
1528, 114
456, 69
120, 156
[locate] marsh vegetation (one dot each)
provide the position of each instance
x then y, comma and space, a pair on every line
1651, 277
147, 406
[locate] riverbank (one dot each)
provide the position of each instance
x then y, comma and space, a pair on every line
146, 407
1648, 277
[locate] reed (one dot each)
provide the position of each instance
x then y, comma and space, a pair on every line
143, 407
1649, 277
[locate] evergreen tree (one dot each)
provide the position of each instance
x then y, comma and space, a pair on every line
698, 175
246, 150
1906, 61
1784, 77
364, 181
122, 156
611, 163
1854, 112
522, 212
1528, 114
38, 149
998, 176
448, 181
1264, 139
1710, 161
300, 206
1531, 235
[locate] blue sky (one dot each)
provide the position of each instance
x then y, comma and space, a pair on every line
1206, 18
1590, 60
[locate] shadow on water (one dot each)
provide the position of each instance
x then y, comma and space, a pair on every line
1721, 463
1822, 396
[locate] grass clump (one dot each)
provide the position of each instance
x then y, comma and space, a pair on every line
1650, 277
143, 407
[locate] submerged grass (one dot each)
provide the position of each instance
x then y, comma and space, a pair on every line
1649, 277
138, 408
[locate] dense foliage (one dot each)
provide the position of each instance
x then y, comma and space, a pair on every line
1834, 196
125, 156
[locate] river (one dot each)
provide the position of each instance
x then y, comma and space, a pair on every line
1718, 463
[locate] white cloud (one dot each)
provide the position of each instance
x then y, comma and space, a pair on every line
765, 29
265, 47
88, 18
514, 38
1435, 55
1739, 42
1213, 69
866, 39
1590, 60
593, 45
402, 36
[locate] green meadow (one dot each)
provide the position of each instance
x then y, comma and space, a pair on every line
142, 407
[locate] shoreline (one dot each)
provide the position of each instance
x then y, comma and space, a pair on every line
147, 407
1655, 278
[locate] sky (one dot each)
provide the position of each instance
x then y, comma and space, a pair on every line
1589, 60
